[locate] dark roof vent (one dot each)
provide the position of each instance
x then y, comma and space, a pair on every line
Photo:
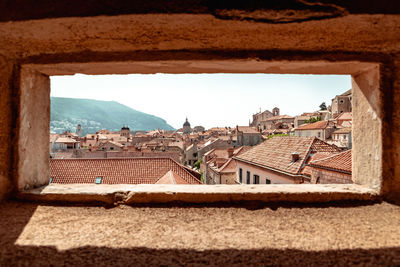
295, 156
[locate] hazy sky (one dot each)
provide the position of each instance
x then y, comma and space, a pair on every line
206, 99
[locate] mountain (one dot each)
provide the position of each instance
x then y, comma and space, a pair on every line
93, 115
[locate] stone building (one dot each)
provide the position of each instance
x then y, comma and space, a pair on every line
198, 129
321, 129
218, 166
335, 169
186, 127
125, 131
342, 138
262, 116
277, 122
247, 136
79, 130
342, 103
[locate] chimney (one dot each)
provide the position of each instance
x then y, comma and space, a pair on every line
230, 152
295, 156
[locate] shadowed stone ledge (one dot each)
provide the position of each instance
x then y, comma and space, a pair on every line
199, 194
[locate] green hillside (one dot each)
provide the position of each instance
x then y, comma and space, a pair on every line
93, 115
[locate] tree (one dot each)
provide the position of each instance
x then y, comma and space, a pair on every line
322, 106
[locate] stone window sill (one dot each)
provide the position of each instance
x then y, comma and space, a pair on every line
200, 194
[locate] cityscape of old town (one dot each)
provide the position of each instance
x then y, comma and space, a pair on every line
312, 148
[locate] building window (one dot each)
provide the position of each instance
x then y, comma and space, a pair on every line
319, 134
256, 179
267, 181
98, 180
240, 175
341, 101
248, 178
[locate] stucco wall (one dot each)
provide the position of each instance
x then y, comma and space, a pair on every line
264, 174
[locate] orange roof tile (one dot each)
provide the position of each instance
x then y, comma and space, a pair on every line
276, 153
340, 162
344, 130
171, 178
313, 126
116, 171
345, 116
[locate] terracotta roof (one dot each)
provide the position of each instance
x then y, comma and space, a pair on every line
313, 126
171, 178
247, 129
65, 140
340, 162
276, 153
116, 171
229, 166
348, 92
344, 130
62, 155
316, 156
345, 116
279, 118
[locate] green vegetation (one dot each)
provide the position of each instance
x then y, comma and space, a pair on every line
197, 164
322, 106
94, 115
313, 119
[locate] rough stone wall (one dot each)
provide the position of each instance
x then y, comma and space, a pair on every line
367, 155
6, 126
152, 36
391, 155
330, 177
34, 129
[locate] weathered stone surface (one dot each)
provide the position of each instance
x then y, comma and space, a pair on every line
367, 129
199, 35
33, 131
12, 11
6, 126
392, 180
48, 235
69, 39
200, 194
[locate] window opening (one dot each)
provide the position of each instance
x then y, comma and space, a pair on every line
180, 149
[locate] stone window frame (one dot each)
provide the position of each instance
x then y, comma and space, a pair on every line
34, 116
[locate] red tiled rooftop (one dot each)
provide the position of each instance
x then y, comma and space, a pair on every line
345, 116
344, 130
340, 162
276, 153
116, 171
279, 117
313, 126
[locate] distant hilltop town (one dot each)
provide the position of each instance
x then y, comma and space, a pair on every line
313, 147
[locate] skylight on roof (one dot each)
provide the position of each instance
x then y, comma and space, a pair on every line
98, 180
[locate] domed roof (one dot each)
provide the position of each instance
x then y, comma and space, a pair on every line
186, 123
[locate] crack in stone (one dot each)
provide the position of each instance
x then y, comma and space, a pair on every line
304, 11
